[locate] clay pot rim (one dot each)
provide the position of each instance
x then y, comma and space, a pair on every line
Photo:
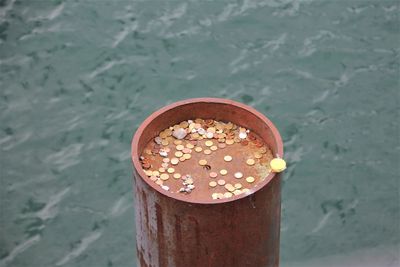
180, 197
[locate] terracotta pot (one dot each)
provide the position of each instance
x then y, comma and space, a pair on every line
235, 232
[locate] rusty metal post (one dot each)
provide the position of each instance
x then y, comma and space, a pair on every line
235, 232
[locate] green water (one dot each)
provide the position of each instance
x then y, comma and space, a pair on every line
78, 77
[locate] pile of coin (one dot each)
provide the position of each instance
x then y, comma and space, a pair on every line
202, 139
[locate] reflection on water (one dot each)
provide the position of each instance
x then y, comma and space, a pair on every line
78, 77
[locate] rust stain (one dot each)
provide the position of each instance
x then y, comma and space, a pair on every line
162, 252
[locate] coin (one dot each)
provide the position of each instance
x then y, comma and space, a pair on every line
164, 165
203, 162
228, 194
214, 196
257, 155
221, 145
179, 147
228, 158
245, 190
189, 145
238, 185
187, 156
178, 154
174, 161
164, 176
209, 143
250, 179
161, 169
198, 149
250, 162
229, 141
213, 174
237, 192
165, 142
155, 173
238, 175
229, 187
186, 150
165, 160
177, 175
153, 178
221, 182
159, 182
177, 142
170, 170
207, 151
223, 172
212, 184
213, 148
148, 172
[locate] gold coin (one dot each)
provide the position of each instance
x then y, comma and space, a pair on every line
177, 142
263, 150
174, 161
159, 182
214, 196
165, 142
230, 187
148, 172
203, 162
250, 162
187, 156
223, 172
198, 149
257, 155
238, 175
179, 147
168, 132
245, 190
177, 175
182, 159
220, 196
212, 184
207, 151
228, 194
250, 179
229, 141
221, 182
209, 143
178, 154
238, 185
184, 124
170, 170
213, 148
161, 169
189, 145
156, 173
228, 158
164, 176
237, 192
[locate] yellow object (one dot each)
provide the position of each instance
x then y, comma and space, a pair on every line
277, 165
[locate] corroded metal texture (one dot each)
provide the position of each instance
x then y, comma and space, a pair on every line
239, 231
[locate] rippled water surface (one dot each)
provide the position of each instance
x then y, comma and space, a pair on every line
78, 77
